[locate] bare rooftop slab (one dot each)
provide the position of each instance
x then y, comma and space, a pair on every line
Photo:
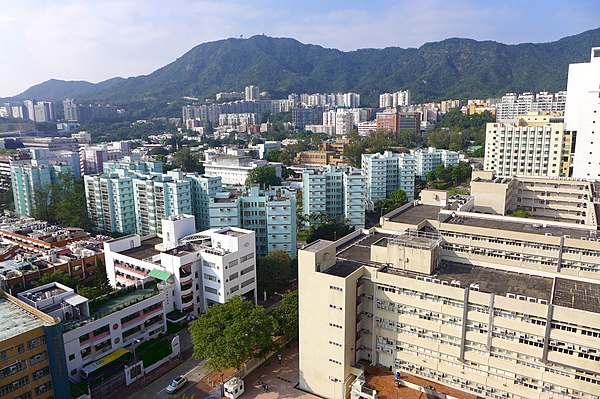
517, 226
577, 295
16, 320
416, 214
145, 250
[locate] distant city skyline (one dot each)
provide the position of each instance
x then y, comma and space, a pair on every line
97, 40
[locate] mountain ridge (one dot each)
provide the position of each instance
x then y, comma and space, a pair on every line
451, 68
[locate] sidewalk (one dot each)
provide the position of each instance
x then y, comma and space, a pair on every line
281, 378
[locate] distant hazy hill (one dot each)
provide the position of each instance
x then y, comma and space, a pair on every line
448, 69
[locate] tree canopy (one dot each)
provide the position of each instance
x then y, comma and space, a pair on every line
332, 230
286, 314
229, 334
62, 203
265, 176
399, 197
457, 174
58, 276
187, 161
274, 272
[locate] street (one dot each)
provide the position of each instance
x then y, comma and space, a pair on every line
191, 368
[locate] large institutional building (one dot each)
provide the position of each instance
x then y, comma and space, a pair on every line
456, 292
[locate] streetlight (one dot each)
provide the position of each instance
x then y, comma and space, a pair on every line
136, 341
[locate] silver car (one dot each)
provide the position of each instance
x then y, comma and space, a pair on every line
176, 384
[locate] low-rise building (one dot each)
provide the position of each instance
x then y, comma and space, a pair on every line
93, 329
234, 169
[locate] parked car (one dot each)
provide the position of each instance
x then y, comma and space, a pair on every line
176, 384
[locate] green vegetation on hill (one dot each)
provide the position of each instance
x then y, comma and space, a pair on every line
453, 68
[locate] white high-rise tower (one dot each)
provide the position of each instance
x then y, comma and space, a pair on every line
582, 115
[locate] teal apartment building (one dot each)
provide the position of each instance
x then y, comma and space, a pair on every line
336, 192
28, 177
271, 214
388, 172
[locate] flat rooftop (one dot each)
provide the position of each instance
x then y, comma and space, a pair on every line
573, 294
122, 299
15, 320
416, 214
316, 245
232, 233
496, 281
508, 225
579, 295
145, 250
359, 248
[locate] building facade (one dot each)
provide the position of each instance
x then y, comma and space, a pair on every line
427, 160
537, 145
335, 192
234, 169
27, 178
32, 353
392, 100
271, 214
495, 306
388, 172
581, 115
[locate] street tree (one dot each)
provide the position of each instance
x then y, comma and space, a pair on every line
286, 314
273, 272
229, 334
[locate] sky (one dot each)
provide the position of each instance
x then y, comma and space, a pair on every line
95, 40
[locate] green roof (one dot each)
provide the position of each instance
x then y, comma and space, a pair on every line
160, 274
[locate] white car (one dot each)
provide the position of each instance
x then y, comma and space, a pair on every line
176, 384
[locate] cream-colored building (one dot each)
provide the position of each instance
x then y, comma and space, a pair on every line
499, 306
535, 144
559, 200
